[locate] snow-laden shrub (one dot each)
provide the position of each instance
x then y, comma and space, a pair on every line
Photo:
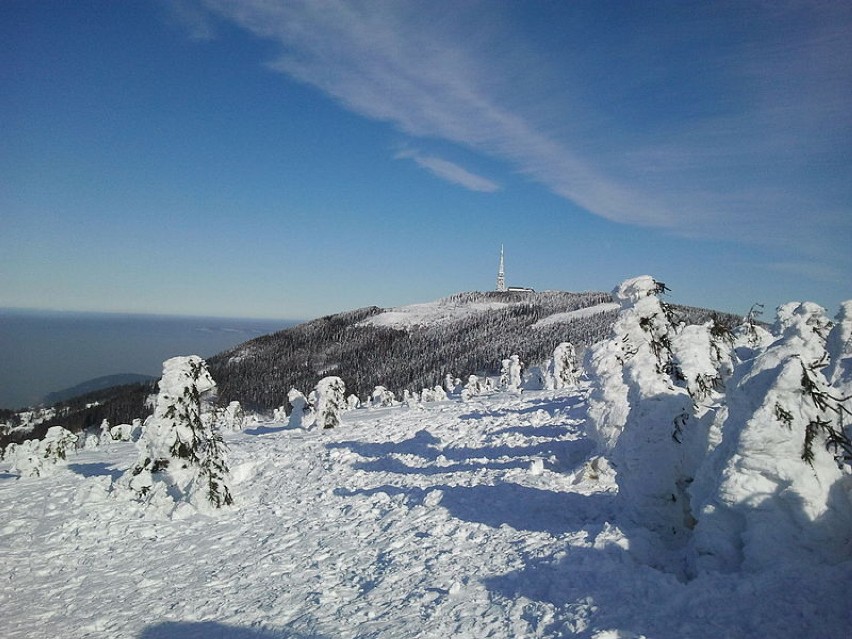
90, 441
639, 414
839, 347
302, 413
330, 401
436, 394
34, 457
381, 397
25, 458
475, 386
279, 414
352, 402
750, 337
106, 434
705, 358
410, 399
127, 432
181, 455
511, 374
774, 487
453, 385
57, 443
231, 418
562, 370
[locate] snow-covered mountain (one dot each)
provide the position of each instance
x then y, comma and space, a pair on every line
416, 346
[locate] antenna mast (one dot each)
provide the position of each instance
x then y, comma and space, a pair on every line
501, 278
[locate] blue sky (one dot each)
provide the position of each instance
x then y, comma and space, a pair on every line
291, 159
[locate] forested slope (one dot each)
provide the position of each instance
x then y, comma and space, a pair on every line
461, 334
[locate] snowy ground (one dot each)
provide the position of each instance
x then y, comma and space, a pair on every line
476, 519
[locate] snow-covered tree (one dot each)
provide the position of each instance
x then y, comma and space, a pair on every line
126, 432
410, 399
330, 401
535, 377
705, 358
511, 374
25, 458
475, 386
34, 457
353, 402
452, 385
436, 394
562, 370
774, 486
639, 414
302, 413
381, 396
106, 435
839, 347
90, 442
56, 444
232, 418
750, 337
178, 450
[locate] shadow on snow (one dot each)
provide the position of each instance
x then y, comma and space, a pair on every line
559, 455
521, 507
550, 405
95, 469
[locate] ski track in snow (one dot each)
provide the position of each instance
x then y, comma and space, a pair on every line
475, 519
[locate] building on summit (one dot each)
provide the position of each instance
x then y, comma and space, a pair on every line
501, 280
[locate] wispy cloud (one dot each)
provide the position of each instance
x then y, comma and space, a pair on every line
190, 16
687, 139
449, 171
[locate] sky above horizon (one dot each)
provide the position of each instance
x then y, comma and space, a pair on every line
252, 158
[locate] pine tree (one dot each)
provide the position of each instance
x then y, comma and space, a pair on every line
330, 401
178, 448
562, 370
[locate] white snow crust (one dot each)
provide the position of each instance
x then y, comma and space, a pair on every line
487, 518
430, 313
580, 313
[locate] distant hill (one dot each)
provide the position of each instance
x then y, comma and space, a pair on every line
413, 347
409, 347
92, 385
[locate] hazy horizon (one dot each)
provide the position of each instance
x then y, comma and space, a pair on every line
48, 351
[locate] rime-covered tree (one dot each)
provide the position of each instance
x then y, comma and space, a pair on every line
353, 402
34, 457
639, 414
839, 347
381, 397
436, 394
302, 414
330, 401
775, 484
511, 374
178, 450
562, 370
232, 418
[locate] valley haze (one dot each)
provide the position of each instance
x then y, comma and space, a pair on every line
46, 352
